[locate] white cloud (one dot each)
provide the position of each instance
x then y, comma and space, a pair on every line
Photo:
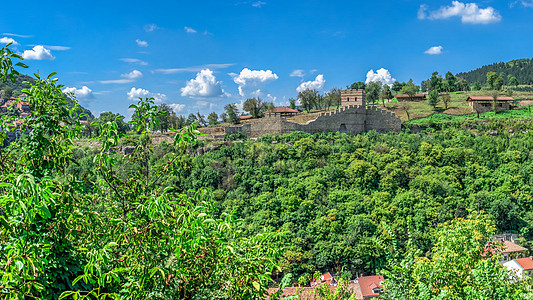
382, 75
189, 30
150, 27
469, 13
7, 40
316, 84
205, 85
434, 50
17, 35
82, 94
526, 3
134, 93
252, 83
258, 4
193, 69
115, 81
38, 53
177, 107
141, 43
135, 74
297, 73
134, 61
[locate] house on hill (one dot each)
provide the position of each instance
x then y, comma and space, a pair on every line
416, 97
481, 104
247, 117
370, 286
282, 111
520, 266
508, 246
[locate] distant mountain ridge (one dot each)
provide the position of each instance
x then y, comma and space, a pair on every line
522, 69
19, 86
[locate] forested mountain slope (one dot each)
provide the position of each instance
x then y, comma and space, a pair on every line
522, 69
335, 195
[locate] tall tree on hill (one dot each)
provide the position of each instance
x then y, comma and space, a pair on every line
106, 117
190, 119
397, 86
164, 119
373, 89
292, 103
513, 81
333, 97
231, 112
491, 79
433, 98
254, 106
409, 89
385, 94
435, 82
476, 86
495, 94
212, 118
8, 92
308, 98
446, 99
462, 85
201, 119
450, 81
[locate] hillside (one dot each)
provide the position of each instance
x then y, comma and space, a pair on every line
19, 86
522, 69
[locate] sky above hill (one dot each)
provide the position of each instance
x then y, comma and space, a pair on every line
200, 55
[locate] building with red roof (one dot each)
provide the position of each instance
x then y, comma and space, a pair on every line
370, 286
520, 266
481, 104
282, 111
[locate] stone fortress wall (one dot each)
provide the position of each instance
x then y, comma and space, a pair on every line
349, 118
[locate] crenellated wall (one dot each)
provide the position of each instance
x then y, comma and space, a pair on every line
350, 119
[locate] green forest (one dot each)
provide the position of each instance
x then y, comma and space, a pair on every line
163, 222
521, 69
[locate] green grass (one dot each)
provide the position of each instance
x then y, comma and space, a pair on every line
526, 113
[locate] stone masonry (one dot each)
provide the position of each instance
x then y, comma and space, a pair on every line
352, 119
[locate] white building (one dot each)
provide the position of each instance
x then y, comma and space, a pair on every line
520, 266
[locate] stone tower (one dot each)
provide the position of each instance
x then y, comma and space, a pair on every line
353, 97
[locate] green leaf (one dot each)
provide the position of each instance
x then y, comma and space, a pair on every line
19, 265
256, 285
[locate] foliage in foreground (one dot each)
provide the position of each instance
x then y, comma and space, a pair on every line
133, 236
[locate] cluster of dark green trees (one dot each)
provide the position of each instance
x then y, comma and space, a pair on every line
513, 73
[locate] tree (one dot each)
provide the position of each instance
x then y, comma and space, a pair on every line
357, 86
495, 94
334, 97
462, 85
254, 106
491, 79
190, 119
397, 86
409, 89
8, 92
498, 83
109, 117
212, 118
433, 98
373, 90
476, 86
292, 103
231, 112
308, 98
435, 82
450, 80
406, 107
385, 94
513, 81
446, 99
201, 119
164, 119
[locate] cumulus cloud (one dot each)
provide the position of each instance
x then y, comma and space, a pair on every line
177, 107
468, 12
141, 43
7, 40
134, 93
134, 61
189, 30
297, 73
382, 75
205, 85
84, 93
434, 50
38, 52
252, 83
150, 27
316, 84
135, 74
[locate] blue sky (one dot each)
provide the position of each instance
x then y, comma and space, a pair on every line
201, 55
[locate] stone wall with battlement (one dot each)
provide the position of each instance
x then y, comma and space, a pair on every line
349, 119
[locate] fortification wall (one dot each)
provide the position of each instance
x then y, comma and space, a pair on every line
349, 119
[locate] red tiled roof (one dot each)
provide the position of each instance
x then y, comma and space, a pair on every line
507, 247
525, 263
488, 98
367, 283
247, 117
282, 109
